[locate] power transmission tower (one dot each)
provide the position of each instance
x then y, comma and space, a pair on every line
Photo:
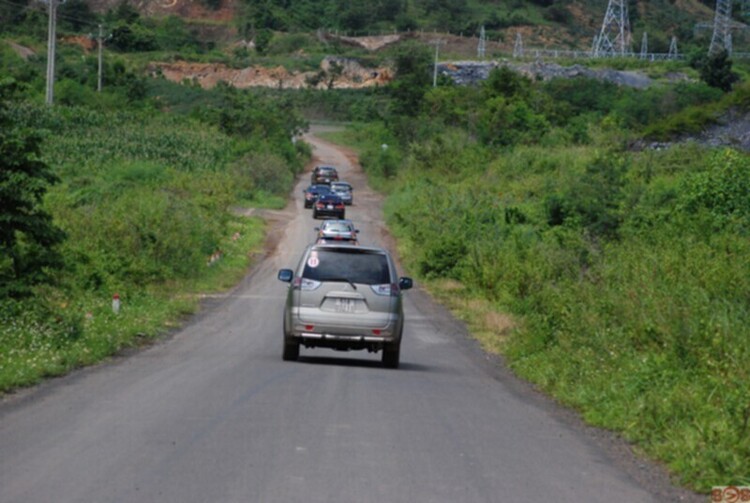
481, 48
518, 46
673, 48
51, 46
722, 36
614, 37
644, 45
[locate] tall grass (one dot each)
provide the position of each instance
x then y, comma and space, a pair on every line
627, 275
145, 202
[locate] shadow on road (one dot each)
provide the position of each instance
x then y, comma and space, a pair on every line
354, 362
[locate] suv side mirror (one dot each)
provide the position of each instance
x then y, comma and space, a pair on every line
405, 283
286, 275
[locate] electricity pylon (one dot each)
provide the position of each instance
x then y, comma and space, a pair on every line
721, 40
673, 48
614, 37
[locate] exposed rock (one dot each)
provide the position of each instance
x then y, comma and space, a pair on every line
23, 52
731, 130
207, 75
87, 43
370, 43
473, 72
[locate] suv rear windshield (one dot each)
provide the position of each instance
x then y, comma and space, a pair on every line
369, 268
337, 227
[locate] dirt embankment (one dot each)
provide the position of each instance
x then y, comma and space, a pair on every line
334, 73
187, 9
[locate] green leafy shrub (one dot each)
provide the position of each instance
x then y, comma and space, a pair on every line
723, 190
507, 122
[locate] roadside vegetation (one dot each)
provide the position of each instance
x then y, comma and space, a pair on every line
615, 279
133, 193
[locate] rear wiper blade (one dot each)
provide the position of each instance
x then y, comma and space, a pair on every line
342, 280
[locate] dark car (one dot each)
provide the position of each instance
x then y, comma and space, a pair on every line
313, 192
343, 189
324, 174
329, 205
345, 298
338, 231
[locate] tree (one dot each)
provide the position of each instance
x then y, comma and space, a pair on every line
412, 78
76, 15
716, 70
263, 40
507, 83
28, 237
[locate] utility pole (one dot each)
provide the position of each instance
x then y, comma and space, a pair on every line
518, 46
51, 35
482, 47
99, 71
437, 51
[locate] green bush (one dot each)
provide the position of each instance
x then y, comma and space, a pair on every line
722, 190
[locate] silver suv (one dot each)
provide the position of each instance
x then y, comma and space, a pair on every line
345, 298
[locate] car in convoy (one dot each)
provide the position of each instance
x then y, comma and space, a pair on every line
329, 206
345, 190
324, 174
337, 231
313, 191
344, 298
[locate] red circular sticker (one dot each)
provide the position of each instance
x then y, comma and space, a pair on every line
313, 261
731, 494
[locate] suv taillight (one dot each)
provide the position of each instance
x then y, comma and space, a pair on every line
305, 284
386, 289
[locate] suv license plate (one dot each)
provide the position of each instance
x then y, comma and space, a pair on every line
346, 305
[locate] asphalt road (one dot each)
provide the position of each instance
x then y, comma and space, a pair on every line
211, 414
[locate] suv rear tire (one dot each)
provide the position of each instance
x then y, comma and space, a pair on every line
391, 355
291, 350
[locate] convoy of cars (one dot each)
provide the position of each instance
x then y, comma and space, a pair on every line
341, 295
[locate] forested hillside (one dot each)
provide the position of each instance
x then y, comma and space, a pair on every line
544, 23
